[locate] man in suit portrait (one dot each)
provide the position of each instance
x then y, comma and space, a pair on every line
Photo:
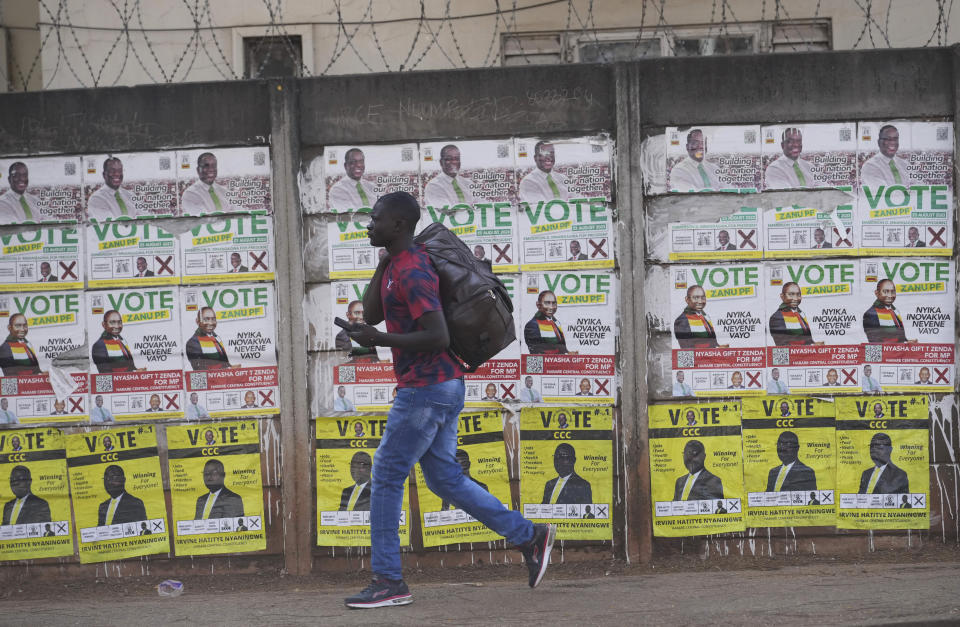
699, 483
25, 507
679, 387
736, 381
195, 410
112, 201
870, 385
343, 342
913, 238
882, 323
463, 458
542, 333
236, 264
142, 270
527, 393
885, 167
154, 403
447, 188
723, 241
567, 487
59, 408
790, 170
249, 400
693, 327
205, 195
121, 506
788, 326
775, 385
883, 477
46, 273
575, 254
542, 183
16, 354
7, 415
923, 377
357, 496
219, 501
16, 205
693, 173
204, 349
832, 378
819, 238
791, 474
110, 352
352, 192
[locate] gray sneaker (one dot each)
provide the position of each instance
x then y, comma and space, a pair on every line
380, 593
536, 552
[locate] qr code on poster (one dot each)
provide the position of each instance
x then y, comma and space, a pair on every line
104, 383
873, 352
845, 134
942, 133
685, 359
750, 136
781, 357
198, 380
8, 386
535, 364
348, 374
503, 151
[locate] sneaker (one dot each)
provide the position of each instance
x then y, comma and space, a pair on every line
536, 552
381, 592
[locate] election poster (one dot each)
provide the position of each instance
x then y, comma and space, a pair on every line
814, 335
127, 253
909, 324
36, 501
42, 330
718, 328
696, 469
808, 156
467, 175
364, 386
40, 190
117, 493
569, 334
568, 170
216, 488
799, 231
346, 302
566, 469
32, 260
789, 461
236, 249
345, 451
566, 235
496, 380
482, 457
134, 339
224, 180
735, 237
905, 203
883, 467
352, 190
230, 352
488, 229
131, 185
713, 159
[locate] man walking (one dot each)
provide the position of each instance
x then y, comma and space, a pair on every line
422, 423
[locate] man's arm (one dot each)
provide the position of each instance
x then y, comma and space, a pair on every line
372, 303
432, 335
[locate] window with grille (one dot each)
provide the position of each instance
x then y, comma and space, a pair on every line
272, 57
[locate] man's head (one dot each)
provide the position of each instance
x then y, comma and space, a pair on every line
249, 398
479, 252
564, 459
696, 145
880, 448
924, 374
213, 475
235, 260
355, 311
207, 320
354, 163
154, 402
784, 408
562, 420
18, 327
913, 234
691, 417
464, 460
544, 156
723, 238
886, 292
878, 409
107, 442
3, 403
209, 436
44, 269
680, 376
819, 236
141, 264
59, 406
792, 143
490, 391
832, 376
20, 481
113, 322
867, 370
360, 465
358, 429
528, 382
207, 168
394, 216
585, 386
114, 480
15, 442
194, 398
693, 456
696, 298
113, 172
790, 295
450, 160
888, 140
775, 374
341, 391
574, 248
788, 445
19, 177
547, 303
736, 379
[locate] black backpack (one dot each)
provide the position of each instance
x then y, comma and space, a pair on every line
475, 302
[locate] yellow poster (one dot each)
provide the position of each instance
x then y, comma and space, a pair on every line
216, 488
696, 469
789, 461
33, 490
883, 467
117, 493
483, 458
566, 469
345, 451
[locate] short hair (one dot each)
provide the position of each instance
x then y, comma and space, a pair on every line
111, 311
833, 370
567, 448
788, 436
695, 444
783, 290
346, 155
446, 148
113, 468
882, 281
540, 144
14, 315
205, 308
692, 131
142, 258
360, 455
544, 293
21, 469
694, 287
14, 165
401, 205
791, 129
352, 303
205, 154
110, 160
214, 462
881, 438
885, 127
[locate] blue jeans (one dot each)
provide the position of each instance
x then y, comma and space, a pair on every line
422, 426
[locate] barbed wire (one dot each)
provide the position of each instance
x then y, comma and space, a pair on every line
95, 43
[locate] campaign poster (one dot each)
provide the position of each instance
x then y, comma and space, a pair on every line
216, 488
799, 231
131, 185
497, 379
569, 331
128, 253
909, 324
808, 156
230, 351
883, 467
224, 180
714, 159
345, 451
352, 190
488, 229
717, 339
40, 190
134, 339
696, 469
237, 249
568, 170
364, 386
566, 469
346, 302
117, 493
789, 461
906, 188
814, 336
36, 387
735, 237
32, 260
482, 457
566, 235
36, 501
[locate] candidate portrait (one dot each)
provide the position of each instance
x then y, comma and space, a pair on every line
25, 507
218, 501
16, 354
567, 487
699, 483
357, 496
884, 477
791, 474
121, 506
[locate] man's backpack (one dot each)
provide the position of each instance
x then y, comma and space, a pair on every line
475, 302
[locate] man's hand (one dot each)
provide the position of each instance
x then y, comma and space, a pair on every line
364, 334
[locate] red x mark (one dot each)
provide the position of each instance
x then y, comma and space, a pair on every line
842, 240
848, 376
76, 404
171, 401
266, 398
66, 271
747, 238
259, 261
601, 386
941, 375
936, 236
598, 248
754, 378
506, 391
164, 265
502, 253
